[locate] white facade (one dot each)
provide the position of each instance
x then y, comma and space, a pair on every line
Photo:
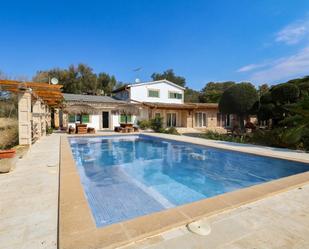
162, 91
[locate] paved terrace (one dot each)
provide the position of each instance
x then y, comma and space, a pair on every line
29, 205
29, 199
277, 222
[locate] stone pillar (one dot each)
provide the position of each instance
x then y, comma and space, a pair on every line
48, 116
56, 118
24, 118
43, 120
36, 119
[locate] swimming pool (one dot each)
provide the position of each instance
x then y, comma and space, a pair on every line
124, 177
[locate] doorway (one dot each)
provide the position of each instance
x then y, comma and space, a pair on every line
171, 119
105, 120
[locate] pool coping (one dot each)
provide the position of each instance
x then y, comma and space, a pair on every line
77, 227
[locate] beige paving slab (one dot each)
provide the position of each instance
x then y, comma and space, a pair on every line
29, 198
275, 222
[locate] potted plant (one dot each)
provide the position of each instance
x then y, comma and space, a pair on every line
7, 153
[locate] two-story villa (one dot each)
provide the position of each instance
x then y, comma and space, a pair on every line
142, 101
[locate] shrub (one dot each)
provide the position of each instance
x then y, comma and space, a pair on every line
144, 124
157, 124
171, 130
49, 130
223, 137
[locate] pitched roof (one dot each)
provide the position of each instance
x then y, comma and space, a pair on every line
90, 98
148, 83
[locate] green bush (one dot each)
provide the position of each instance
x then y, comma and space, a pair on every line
157, 124
49, 130
223, 137
171, 130
144, 124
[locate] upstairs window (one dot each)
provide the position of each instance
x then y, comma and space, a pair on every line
153, 93
174, 95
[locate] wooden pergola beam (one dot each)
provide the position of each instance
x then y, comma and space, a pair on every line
51, 94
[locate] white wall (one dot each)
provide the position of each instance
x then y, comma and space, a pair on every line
140, 93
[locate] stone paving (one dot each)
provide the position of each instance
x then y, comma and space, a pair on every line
276, 222
29, 199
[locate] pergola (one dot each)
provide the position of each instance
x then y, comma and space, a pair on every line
49, 94
35, 101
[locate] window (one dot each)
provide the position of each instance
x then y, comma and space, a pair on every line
71, 118
171, 119
85, 118
224, 120
174, 95
125, 118
200, 119
228, 120
77, 118
153, 93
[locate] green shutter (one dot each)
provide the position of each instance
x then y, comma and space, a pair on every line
71, 118
129, 118
122, 118
85, 118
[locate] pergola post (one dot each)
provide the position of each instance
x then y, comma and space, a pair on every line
43, 119
36, 118
56, 118
24, 117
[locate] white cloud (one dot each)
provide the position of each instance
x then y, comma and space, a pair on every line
283, 68
293, 33
251, 67
296, 65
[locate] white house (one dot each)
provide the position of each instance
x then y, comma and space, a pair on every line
161, 91
142, 101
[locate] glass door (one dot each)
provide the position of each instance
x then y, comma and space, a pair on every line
200, 119
171, 119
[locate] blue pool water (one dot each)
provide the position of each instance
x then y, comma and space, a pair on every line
128, 176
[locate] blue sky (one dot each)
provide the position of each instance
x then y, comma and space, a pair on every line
253, 40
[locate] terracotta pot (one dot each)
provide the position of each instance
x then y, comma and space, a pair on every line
7, 154
6, 164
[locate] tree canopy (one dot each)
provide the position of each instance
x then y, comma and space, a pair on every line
79, 79
171, 76
191, 95
213, 91
239, 99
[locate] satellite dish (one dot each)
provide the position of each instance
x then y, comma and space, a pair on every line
54, 81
